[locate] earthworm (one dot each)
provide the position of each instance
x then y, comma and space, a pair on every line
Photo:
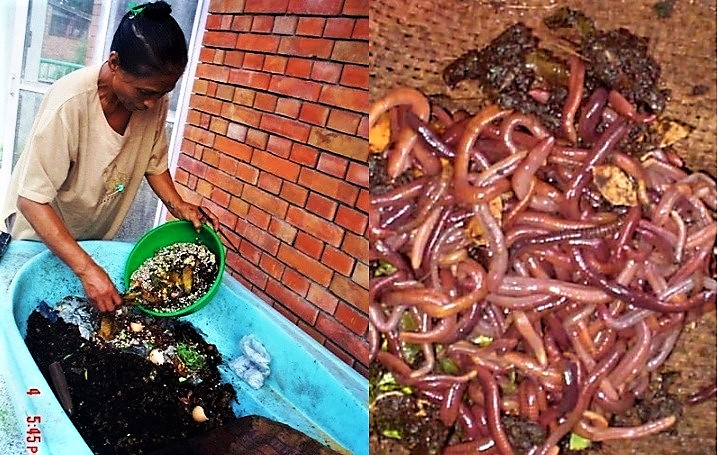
577, 70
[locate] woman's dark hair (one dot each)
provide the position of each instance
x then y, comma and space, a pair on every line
149, 41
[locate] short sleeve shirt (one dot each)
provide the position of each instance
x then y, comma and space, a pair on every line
78, 164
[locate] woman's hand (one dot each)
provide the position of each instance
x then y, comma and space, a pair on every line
195, 214
99, 288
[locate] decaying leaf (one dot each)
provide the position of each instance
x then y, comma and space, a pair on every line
670, 131
187, 279
380, 134
107, 328
615, 185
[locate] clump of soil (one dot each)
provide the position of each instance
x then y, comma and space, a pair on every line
124, 403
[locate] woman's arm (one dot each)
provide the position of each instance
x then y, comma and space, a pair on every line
98, 286
165, 189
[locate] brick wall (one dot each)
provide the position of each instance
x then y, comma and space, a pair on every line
276, 145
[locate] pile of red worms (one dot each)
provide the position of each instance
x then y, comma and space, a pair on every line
494, 228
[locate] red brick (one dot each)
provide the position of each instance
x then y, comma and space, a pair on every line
311, 26
338, 261
226, 40
212, 72
345, 97
241, 23
356, 246
214, 22
238, 207
329, 186
285, 25
288, 315
282, 230
265, 6
227, 164
322, 298
361, 275
239, 114
343, 337
311, 268
269, 182
295, 87
299, 67
226, 6
250, 252
275, 64
352, 220
220, 197
295, 281
342, 144
258, 43
316, 114
222, 180
210, 157
321, 7
246, 270
286, 127
253, 61
265, 102
288, 107
361, 29
350, 52
355, 76
332, 164
233, 148
207, 104
258, 217
271, 266
363, 130
262, 24
339, 27
358, 174
247, 173
246, 78
344, 121
308, 47
326, 71
351, 292
322, 206
293, 302
293, 193
303, 154
244, 96
256, 138
363, 201
266, 201
199, 135
308, 245
259, 237
314, 225
351, 319
237, 132
218, 125
356, 8
225, 92
279, 146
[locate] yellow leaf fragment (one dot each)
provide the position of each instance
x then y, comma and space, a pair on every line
671, 131
615, 185
380, 134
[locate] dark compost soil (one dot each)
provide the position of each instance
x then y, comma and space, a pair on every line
122, 402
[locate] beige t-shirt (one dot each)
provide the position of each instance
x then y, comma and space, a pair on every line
79, 165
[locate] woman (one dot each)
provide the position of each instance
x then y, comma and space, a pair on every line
98, 132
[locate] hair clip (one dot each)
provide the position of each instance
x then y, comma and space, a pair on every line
135, 9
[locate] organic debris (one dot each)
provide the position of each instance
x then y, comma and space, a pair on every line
174, 278
136, 382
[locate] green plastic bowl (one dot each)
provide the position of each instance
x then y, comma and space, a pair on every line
178, 231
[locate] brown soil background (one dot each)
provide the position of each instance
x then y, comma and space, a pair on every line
411, 41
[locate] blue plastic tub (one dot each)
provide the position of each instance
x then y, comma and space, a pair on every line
308, 389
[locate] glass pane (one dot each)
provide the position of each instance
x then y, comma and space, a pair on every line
29, 104
58, 41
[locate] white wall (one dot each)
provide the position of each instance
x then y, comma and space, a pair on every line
7, 27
